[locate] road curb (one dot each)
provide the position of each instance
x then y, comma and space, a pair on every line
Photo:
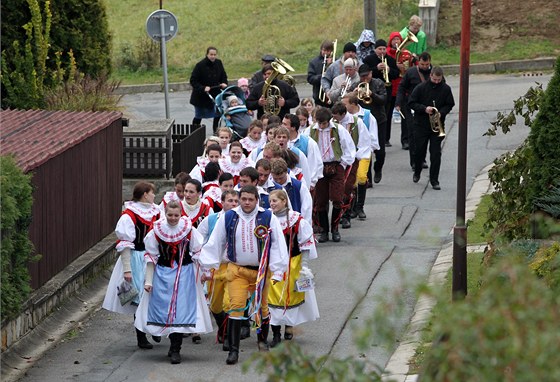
544, 63
397, 367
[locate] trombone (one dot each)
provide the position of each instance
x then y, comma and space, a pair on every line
322, 94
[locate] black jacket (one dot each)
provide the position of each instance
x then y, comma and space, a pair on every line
207, 73
410, 80
426, 94
288, 93
379, 98
372, 60
314, 75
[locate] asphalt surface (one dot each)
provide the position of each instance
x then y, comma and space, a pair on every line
406, 227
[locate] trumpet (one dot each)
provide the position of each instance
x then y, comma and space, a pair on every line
385, 71
364, 94
435, 122
322, 93
345, 87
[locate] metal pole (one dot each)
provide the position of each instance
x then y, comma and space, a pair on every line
370, 17
459, 288
164, 64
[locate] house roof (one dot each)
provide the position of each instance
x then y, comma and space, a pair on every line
35, 136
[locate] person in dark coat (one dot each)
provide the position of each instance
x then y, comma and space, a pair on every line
289, 97
315, 70
425, 98
208, 78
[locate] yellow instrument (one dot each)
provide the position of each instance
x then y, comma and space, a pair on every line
272, 92
404, 56
385, 71
435, 122
288, 68
364, 94
345, 86
322, 94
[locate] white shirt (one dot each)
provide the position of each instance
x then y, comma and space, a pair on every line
314, 160
373, 129
325, 145
246, 246
364, 146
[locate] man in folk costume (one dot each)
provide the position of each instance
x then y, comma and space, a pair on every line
254, 243
362, 141
338, 152
217, 285
354, 109
174, 301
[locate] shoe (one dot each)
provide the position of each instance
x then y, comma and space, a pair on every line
388, 144
157, 339
175, 357
336, 236
276, 336
245, 330
361, 215
234, 331
377, 177
142, 341
369, 184
345, 223
323, 237
405, 146
436, 186
424, 165
288, 333
196, 339
262, 336
353, 214
415, 178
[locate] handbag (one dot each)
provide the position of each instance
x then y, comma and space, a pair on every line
126, 292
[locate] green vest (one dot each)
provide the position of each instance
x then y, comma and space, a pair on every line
314, 134
354, 131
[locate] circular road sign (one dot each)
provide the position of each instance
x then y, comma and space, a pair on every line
153, 26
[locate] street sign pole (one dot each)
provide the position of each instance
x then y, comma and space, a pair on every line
161, 26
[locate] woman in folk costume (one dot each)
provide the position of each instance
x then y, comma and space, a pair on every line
178, 195
254, 138
136, 221
193, 206
212, 153
235, 162
287, 306
174, 301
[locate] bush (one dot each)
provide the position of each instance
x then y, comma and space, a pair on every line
507, 331
546, 265
145, 55
16, 195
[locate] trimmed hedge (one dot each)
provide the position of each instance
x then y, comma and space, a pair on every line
17, 249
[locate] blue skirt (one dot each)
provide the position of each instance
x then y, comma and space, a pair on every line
162, 290
205, 112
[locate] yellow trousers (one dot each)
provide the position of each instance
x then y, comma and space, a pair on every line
361, 175
217, 289
241, 282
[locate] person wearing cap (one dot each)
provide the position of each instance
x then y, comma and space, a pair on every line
375, 62
315, 69
337, 67
346, 82
289, 97
243, 84
365, 44
377, 109
208, 78
257, 77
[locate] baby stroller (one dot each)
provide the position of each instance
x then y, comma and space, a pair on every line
237, 118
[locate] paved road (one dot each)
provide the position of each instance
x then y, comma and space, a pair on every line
407, 224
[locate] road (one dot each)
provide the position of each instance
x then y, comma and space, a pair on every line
406, 227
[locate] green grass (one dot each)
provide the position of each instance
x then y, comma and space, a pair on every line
476, 234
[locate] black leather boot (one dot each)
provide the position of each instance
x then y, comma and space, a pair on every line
234, 332
262, 335
288, 332
324, 223
334, 224
246, 325
276, 335
220, 322
175, 348
360, 201
143, 342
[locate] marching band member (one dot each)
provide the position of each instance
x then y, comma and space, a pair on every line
337, 67
346, 82
317, 68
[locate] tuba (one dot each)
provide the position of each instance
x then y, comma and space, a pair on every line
404, 56
272, 92
364, 94
284, 76
435, 122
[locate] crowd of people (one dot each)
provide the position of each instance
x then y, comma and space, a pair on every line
234, 239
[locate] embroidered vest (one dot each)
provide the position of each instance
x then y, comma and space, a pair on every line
302, 143
314, 134
141, 227
354, 132
232, 218
169, 252
293, 190
293, 247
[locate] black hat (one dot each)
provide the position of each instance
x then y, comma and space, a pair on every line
349, 47
380, 42
268, 58
364, 69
